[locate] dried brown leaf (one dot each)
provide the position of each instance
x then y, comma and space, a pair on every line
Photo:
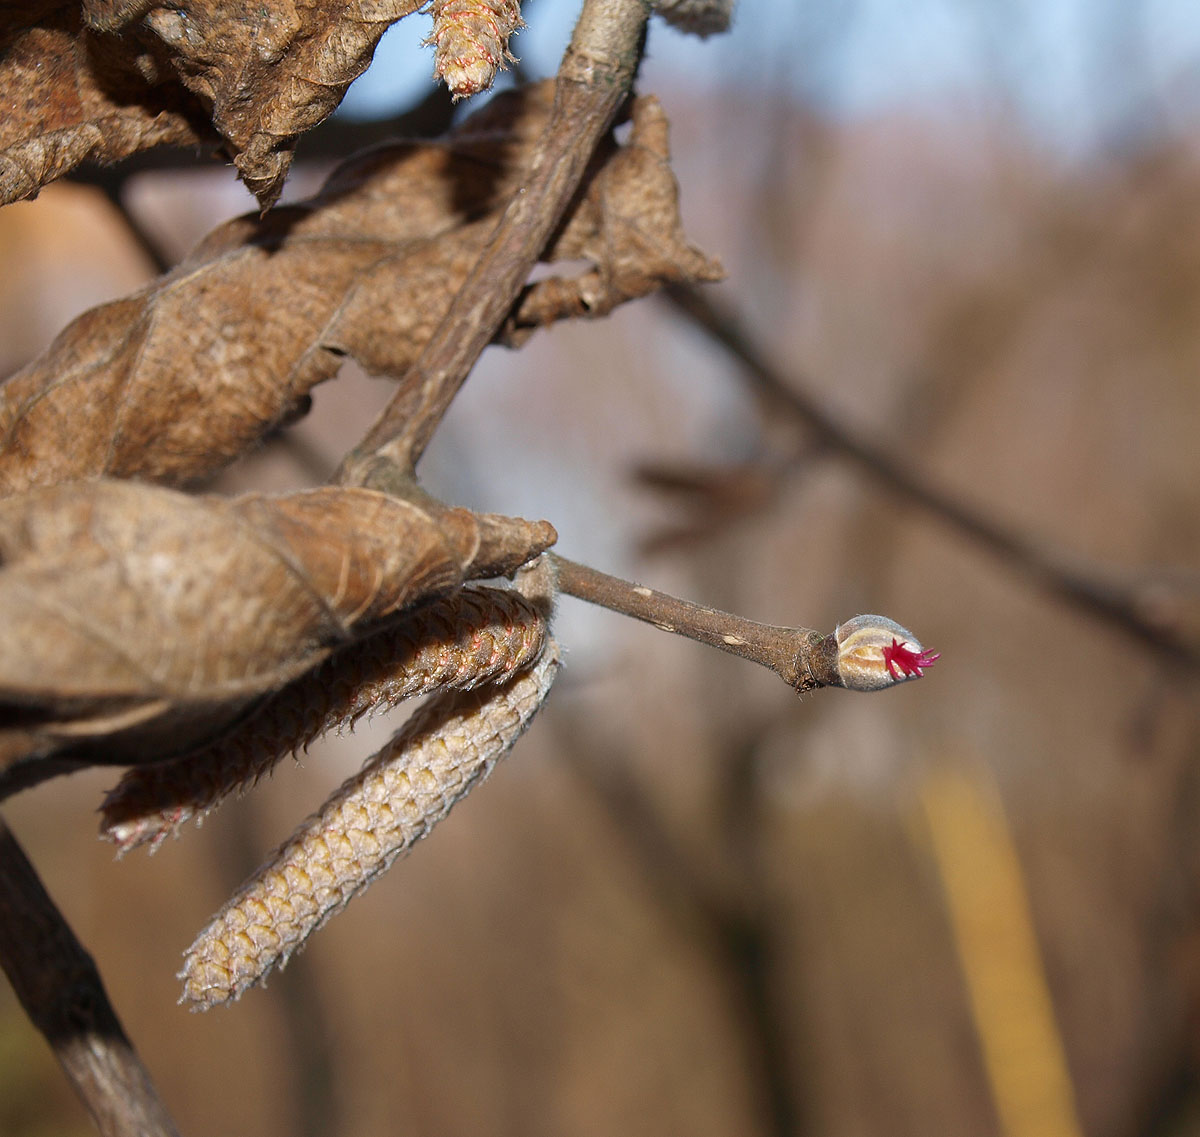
269, 72
627, 226
137, 622
174, 382
70, 94
699, 17
478, 635
118, 76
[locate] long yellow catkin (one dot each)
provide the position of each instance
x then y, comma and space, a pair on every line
397, 798
479, 635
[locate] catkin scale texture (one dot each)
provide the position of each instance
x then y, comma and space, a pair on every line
396, 799
479, 635
470, 39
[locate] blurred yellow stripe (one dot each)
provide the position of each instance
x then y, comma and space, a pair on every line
993, 931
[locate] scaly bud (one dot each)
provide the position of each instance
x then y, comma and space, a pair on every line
874, 652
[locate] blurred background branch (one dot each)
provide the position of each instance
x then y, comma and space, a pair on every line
1116, 605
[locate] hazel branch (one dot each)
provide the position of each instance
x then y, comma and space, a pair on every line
867, 653
60, 989
593, 80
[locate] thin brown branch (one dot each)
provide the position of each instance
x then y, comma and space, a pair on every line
60, 989
1116, 606
866, 653
803, 658
593, 81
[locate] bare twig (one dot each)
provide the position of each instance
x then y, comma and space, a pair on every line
803, 658
1115, 605
61, 991
593, 81
867, 653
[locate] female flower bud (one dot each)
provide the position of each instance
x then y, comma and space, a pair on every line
874, 652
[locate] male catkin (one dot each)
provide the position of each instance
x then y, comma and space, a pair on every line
470, 39
397, 798
478, 635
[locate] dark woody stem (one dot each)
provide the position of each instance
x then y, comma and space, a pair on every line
593, 81
804, 659
58, 985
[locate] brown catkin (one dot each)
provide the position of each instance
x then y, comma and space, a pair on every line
470, 39
479, 635
397, 798
699, 17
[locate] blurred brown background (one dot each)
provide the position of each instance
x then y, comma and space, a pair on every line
690, 903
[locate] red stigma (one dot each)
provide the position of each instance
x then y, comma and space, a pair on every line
909, 661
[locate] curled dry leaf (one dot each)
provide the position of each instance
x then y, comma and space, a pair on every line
138, 623
174, 382
435, 759
478, 635
627, 226
70, 94
269, 72
121, 76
